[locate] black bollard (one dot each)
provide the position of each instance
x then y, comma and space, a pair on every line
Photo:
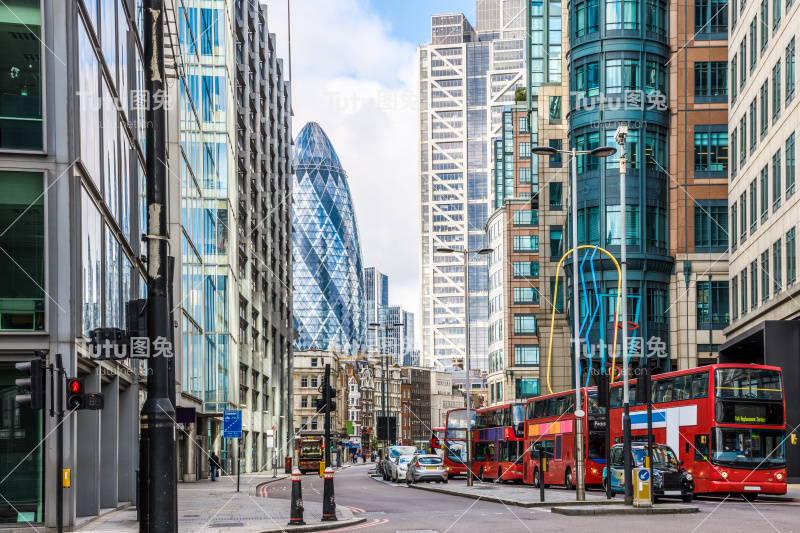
296, 516
328, 499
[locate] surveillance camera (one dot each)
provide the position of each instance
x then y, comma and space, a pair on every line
622, 132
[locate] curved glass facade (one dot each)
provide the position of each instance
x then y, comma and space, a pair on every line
618, 75
329, 305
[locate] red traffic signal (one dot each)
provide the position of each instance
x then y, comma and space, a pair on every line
76, 398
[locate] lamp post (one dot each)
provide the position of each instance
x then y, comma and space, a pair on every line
601, 152
377, 327
466, 254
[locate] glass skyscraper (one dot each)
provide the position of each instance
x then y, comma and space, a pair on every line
376, 295
329, 304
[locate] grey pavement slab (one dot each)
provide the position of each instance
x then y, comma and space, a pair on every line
519, 495
597, 510
216, 506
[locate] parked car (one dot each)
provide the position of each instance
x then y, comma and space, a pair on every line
398, 466
393, 452
670, 479
426, 467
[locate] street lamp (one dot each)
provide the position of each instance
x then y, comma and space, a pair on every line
386, 327
466, 254
600, 152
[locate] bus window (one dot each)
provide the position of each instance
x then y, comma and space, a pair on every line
616, 397
700, 385
701, 447
548, 449
632, 393
480, 421
560, 406
480, 451
664, 390
570, 405
596, 447
551, 407
538, 411
682, 388
557, 448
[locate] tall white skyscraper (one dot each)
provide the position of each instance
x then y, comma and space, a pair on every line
466, 76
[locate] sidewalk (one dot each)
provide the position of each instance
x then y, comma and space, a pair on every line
521, 496
216, 506
792, 495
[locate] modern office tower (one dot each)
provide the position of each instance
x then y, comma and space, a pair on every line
699, 89
329, 308
397, 341
466, 77
618, 66
263, 211
376, 295
762, 195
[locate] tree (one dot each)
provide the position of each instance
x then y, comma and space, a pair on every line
520, 95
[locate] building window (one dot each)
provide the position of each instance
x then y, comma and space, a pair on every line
524, 125
657, 305
586, 18
791, 258
613, 230
21, 85
733, 159
655, 78
764, 109
777, 192
765, 276
559, 292
556, 237
622, 14
743, 69
555, 159
526, 355
754, 284
526, 269
790, 71
734, 235
733, 78
711, 150
524, 324
622, 75
743, 217
710, 16
525, 176
313, 382
734, 300
526, 243
776, 91
525, 150
777, 265
743, 141
710, 81
656, 17
555, 195
304, 382
304, 401
555, 108
587, 80
776, 14
712, 304
743, 276
527, 388
710, 226
790, 168
313, 423
753, 43
526, 295
753, 208
764, 25
526, 218
589, 226
764, 177
313, 362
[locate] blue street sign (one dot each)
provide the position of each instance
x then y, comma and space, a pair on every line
232, 424
644, 474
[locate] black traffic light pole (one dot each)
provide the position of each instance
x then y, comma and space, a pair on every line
56, 392
326, 397
157, 421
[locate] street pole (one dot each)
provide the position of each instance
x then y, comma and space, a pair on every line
157, 427
466, 341
626, 417
58, 393
326, 396
580, 494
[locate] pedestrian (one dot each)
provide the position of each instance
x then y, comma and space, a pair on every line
364, 457
213, 463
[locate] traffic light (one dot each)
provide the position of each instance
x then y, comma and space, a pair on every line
602, 389
642, 385
332, 398
34, 384
76, 394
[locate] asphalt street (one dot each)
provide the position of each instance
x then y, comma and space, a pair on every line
396, 508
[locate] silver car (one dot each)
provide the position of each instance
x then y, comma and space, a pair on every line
398, 467
426, 468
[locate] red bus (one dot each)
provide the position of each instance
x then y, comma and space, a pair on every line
310, 454
499, 441
455, 440
726, 422
437, 437
550, 422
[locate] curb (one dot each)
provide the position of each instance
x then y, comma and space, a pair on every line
517, 503
605, 511
254, 488
319, 526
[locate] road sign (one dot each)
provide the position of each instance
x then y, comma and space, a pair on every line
644, 474
232, 424
270, 438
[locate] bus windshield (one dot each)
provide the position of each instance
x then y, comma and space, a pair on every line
749, 383
460, 420
456, 451
748, 447
592, 407
518, 414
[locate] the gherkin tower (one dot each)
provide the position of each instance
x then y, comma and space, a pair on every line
328, 270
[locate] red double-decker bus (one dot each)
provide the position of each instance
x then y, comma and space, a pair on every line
499, 442
437, 438
457, 423
550, 422
726, 422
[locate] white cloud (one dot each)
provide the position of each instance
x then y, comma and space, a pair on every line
359, 83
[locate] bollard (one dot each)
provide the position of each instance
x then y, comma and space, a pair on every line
328, 499
296, 516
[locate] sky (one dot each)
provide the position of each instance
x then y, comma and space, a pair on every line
354, 73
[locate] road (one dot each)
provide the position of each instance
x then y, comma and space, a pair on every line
396, 508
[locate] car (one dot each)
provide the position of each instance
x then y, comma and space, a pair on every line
670, 479
398, 466
393, 452
427, 468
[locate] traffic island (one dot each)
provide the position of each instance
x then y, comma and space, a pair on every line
605, 510
520, 496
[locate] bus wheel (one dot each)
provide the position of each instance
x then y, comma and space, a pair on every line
568, 480
536, 480
749, 496
500, 475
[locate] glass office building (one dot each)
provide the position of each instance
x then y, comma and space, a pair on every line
329, 304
